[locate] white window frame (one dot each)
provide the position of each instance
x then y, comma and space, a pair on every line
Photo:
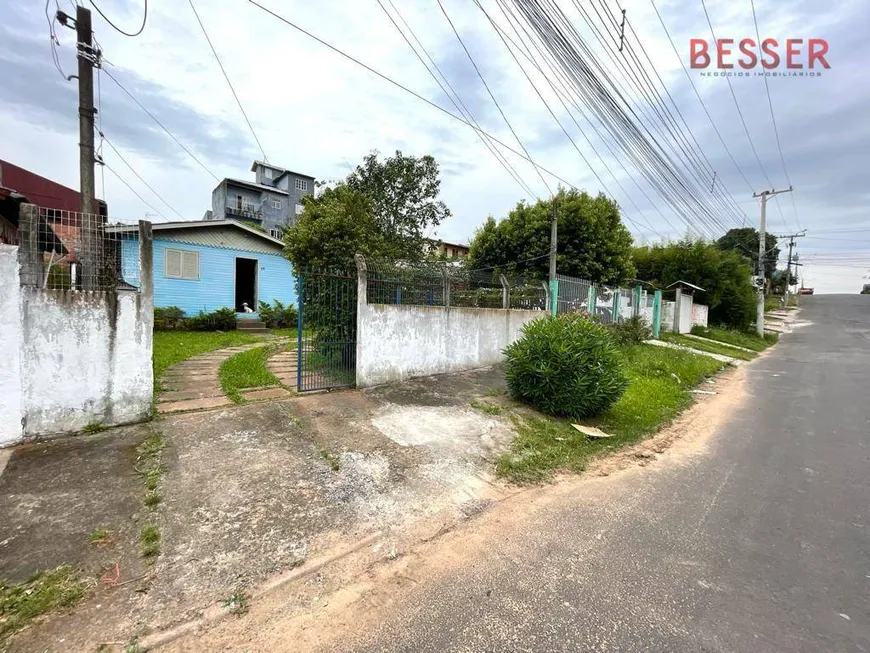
278, 204
181, 255
275, 233
301, 184
300, 208
267, 172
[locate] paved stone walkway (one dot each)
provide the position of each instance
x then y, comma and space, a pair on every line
195, 384
284, 365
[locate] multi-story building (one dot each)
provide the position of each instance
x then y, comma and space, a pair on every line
273, 201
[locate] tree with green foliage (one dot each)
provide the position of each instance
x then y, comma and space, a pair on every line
403, 191
724, 275
592, 244
745, 242
382, 209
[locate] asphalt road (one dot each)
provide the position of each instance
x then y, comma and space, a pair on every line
760, 544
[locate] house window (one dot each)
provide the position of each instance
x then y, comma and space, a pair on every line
181, 264
301, 184
299, 209
275, 233
268, 173
277, 204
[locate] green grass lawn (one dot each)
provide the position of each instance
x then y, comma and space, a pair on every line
171, 347
712, 347
739, 338
247, 370
654, 397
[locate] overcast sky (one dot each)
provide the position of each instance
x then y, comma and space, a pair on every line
318, 113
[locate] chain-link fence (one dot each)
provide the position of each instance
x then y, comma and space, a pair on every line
439, 283
608, 304
67, 250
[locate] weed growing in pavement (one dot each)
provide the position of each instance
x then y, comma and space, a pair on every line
94, 427
44, 591
149, 541
100, 535
237, 603
331, 458
486, 407
150, 470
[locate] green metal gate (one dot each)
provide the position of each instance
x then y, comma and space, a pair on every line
327, 329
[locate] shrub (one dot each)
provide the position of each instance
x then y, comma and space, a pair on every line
565, 365
632, 331
223, 319
168, 318
278, 315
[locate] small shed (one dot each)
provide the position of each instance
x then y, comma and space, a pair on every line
686, 287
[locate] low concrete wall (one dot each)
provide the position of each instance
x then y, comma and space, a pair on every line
399, 342
85, 357
71, 358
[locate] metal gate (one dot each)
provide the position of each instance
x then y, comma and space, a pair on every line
327, 329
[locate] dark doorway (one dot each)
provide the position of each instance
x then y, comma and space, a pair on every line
246, 284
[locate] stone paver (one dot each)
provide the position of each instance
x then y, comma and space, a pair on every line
267, 393
194, 384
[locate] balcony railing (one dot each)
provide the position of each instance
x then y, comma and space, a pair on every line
245, 211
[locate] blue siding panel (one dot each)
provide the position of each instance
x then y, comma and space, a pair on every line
215, 287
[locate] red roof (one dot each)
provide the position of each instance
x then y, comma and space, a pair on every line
39, 190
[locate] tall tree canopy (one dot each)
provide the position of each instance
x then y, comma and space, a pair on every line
724, 275
592, 244
745, 241
382, 209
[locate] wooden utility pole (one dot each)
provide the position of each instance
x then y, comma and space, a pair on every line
90, 227
762, 252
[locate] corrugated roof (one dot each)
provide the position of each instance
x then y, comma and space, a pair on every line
202, 226
274, 167
251, 184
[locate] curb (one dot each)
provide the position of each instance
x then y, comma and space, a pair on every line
214, 614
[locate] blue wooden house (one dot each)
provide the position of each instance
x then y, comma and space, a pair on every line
207, 265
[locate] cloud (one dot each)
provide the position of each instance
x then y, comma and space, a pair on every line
317, 112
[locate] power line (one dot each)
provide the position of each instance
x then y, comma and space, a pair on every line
773, 116
605, 100
464, 111
132, 190
505, 38
700, 99
55, 42
229, 83
161, 125
407, 90
106, 18
139, 177
492, 97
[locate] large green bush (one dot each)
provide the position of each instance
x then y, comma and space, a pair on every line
632, 331
565, 365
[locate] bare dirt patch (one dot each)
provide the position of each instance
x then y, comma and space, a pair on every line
342, 606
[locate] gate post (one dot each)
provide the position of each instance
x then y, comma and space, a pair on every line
300, 359
445, 275
638, 293
616, 295
554, 296
505, 292
590, 301
657, 314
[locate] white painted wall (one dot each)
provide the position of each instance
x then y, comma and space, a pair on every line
85, 357
11, 430
686, 303
399, 342
71, 358
700, 314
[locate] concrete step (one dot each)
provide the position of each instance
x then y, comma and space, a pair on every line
250, 324
248, 329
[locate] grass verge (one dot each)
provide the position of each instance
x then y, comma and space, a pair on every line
711, 347
171, 347
658, 382
41, 593
739, 338
247, 370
